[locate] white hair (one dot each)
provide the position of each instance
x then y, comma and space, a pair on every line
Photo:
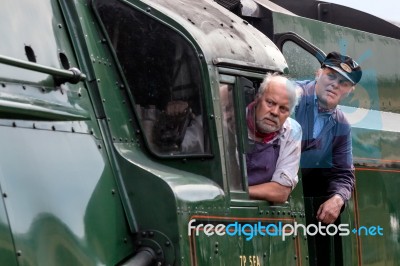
291, 87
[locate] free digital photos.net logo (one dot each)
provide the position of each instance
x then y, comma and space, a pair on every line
250, 230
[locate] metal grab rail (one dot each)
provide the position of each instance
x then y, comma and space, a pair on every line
72, 75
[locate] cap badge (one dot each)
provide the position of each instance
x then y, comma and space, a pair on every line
345, 67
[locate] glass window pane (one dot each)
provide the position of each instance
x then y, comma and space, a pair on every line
163, 73
302, 65
229, 137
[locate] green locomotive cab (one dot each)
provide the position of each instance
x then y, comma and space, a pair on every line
198, 57
140, 172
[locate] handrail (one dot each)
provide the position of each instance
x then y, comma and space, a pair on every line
72, 75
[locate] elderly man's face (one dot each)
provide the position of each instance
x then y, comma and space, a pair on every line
273, 107
331, 88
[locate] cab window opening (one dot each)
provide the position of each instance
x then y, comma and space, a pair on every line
164, 77
233, 106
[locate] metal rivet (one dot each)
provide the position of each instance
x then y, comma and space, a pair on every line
5, 195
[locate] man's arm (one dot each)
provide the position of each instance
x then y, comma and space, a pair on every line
285, 177
341, 179
341, 175
270, 191
287, 165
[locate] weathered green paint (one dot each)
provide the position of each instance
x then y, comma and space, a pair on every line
62, 202
80, 185
54, 214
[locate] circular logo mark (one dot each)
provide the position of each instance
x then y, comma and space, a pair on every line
345, 67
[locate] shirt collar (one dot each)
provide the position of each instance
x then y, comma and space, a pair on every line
321, 110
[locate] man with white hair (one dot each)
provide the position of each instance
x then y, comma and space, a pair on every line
273, 163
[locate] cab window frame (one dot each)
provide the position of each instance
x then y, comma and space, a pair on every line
199, 81
231, 76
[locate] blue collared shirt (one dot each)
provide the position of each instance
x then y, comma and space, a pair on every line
320, 118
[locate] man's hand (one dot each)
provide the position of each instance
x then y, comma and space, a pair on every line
329, 211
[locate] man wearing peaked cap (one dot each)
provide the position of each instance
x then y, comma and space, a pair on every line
326, 160
344, 65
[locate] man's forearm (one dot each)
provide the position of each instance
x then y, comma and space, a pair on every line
270, 191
